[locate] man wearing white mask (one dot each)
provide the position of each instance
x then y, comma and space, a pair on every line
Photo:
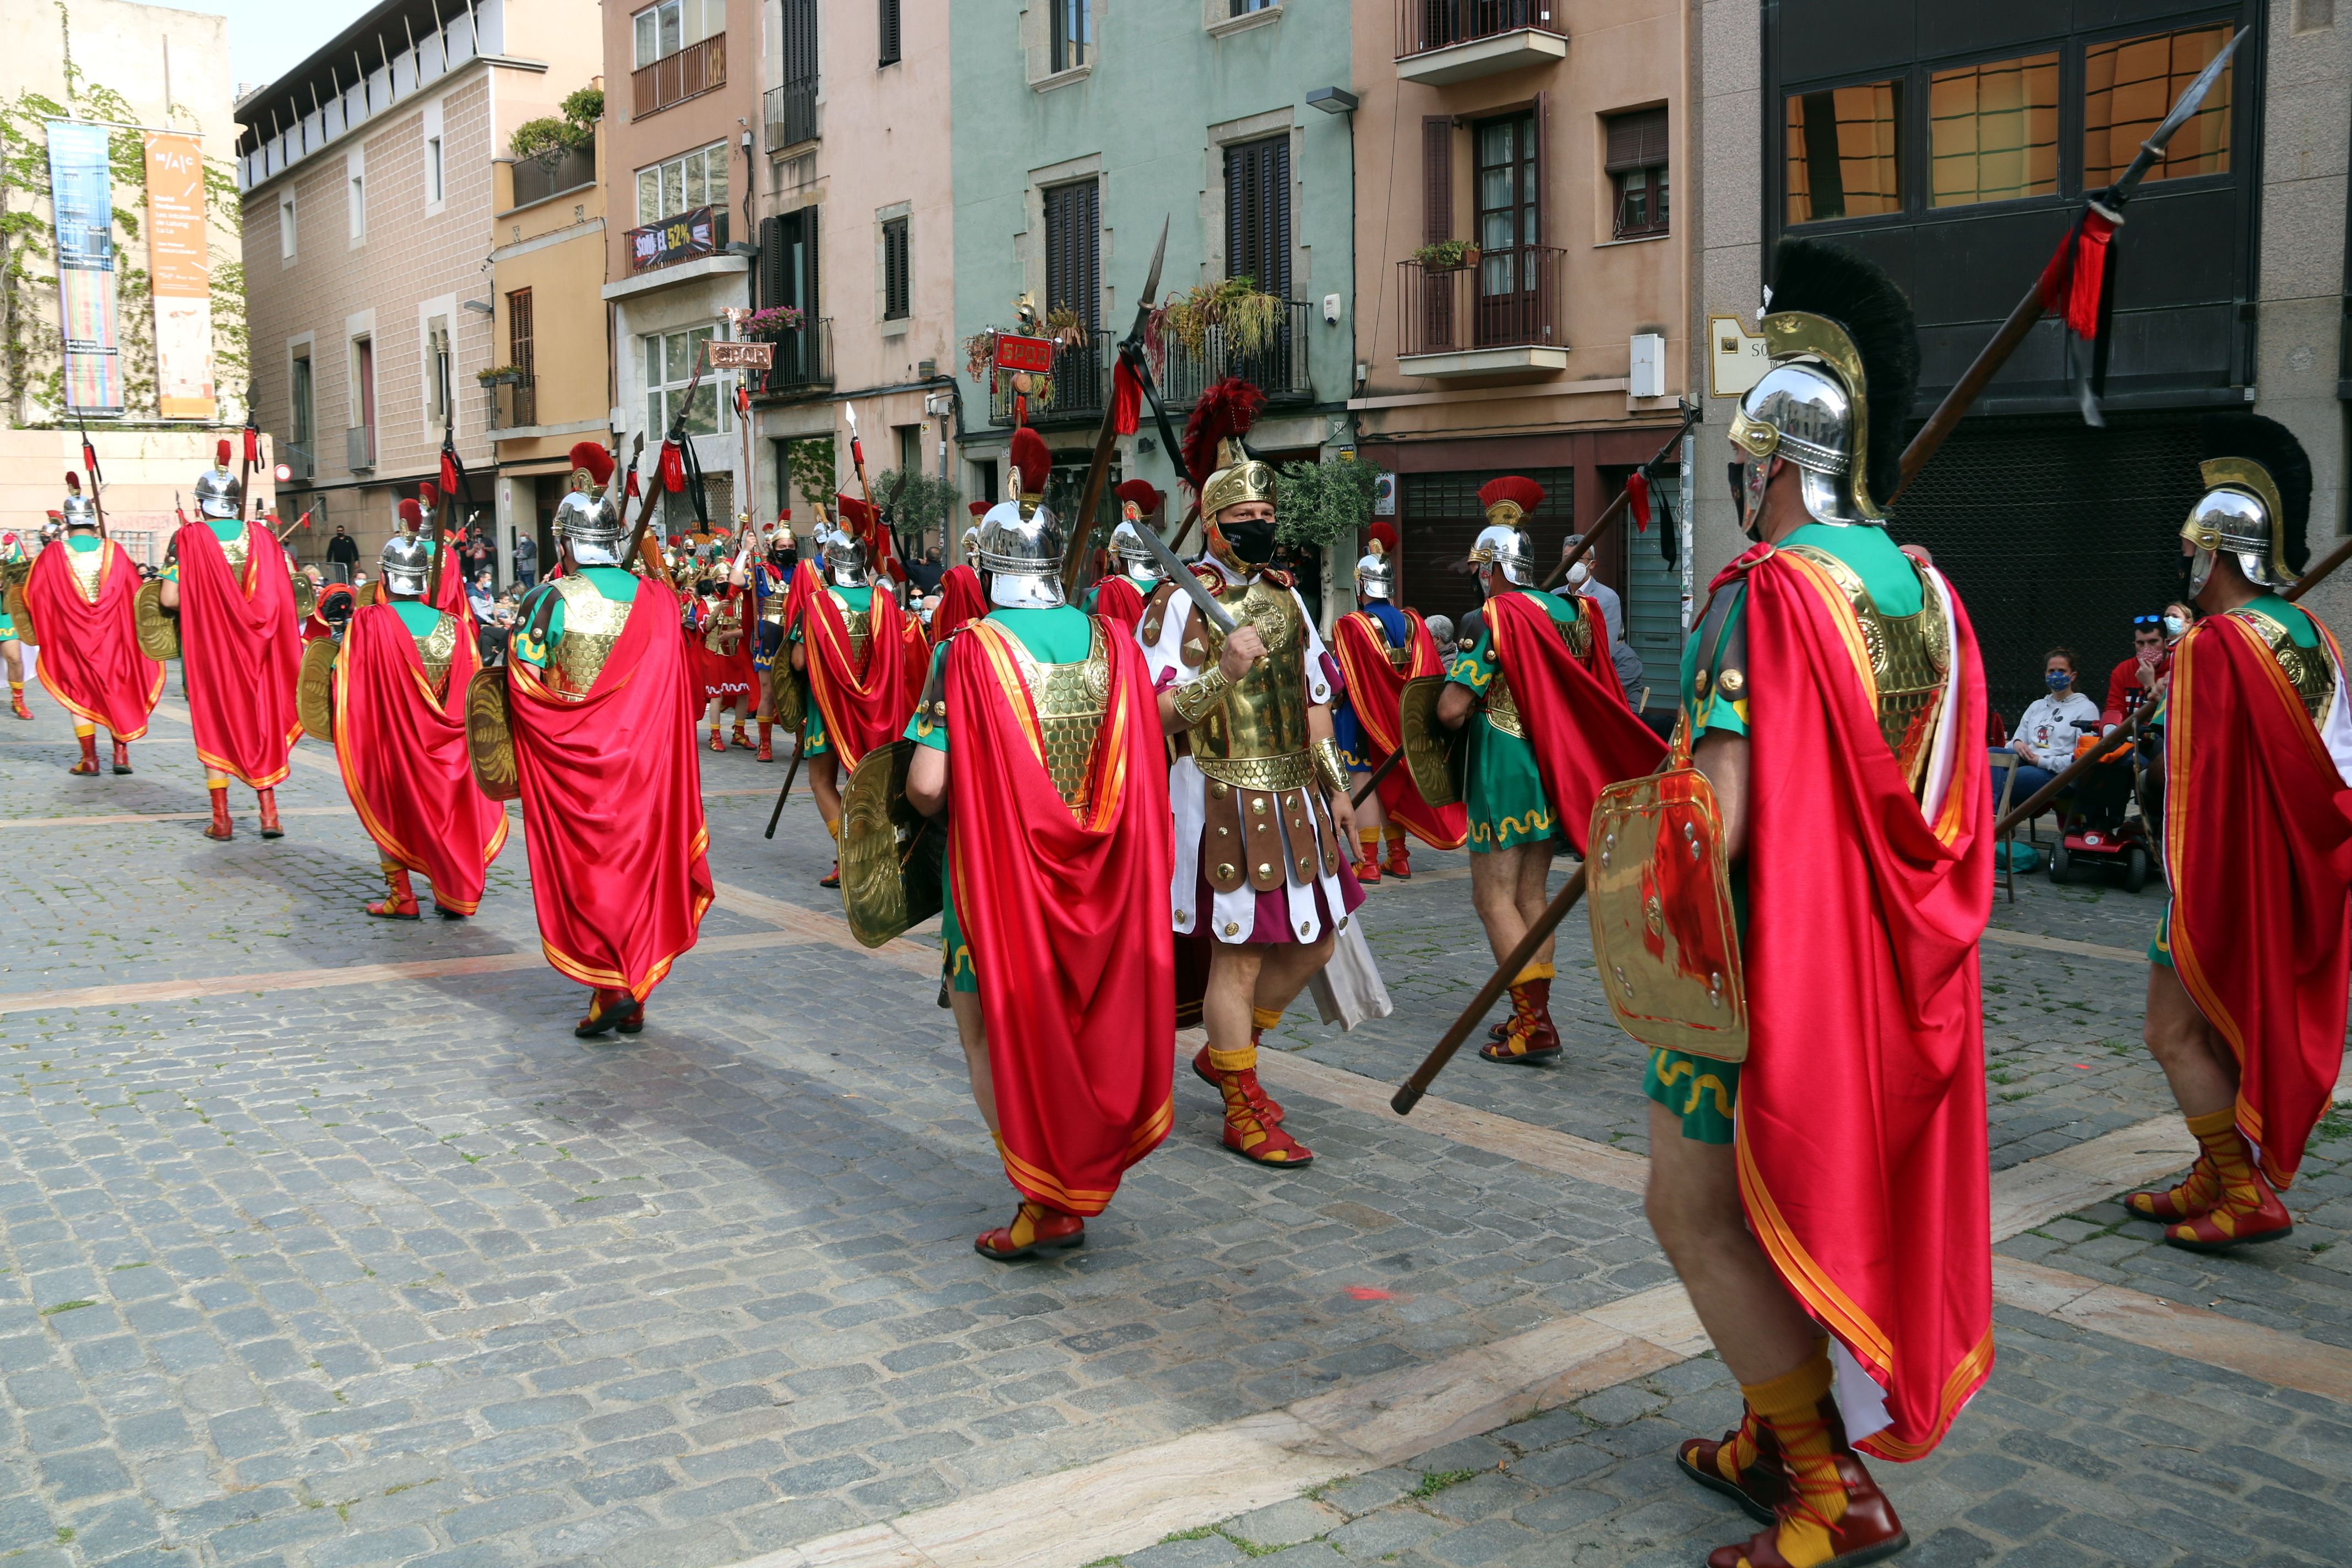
1581, 582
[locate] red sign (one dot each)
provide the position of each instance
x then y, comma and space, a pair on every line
1023, 353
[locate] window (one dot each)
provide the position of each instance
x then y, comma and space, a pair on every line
1992, 132
896, 303
1842, 152
670, 359
434, 193
2129, 85
299, 392
1507, 187
286, 229
436, 370
889, 55
521, 350
1074, 34
1637, 173
1257, 213
1074, 251
362, 449
681, 184
1244, 8
662, 30
358, 197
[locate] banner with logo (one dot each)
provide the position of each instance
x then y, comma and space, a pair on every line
179, 256
81, 197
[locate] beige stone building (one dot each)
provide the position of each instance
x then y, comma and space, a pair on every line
371, 189
171, 70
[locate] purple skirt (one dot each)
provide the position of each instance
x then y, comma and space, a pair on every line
1271, 922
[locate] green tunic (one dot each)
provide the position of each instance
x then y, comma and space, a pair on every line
814, 743
1502, 787
1700, 1090
1058, 636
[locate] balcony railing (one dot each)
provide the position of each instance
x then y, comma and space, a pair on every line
1424, 25
514, 405
300, 464
1510, 298
1080, 382
804, 363
535, 179
791, 114
697, 67
359, 448
1278, 367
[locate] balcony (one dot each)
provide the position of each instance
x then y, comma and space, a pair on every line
513, 405
536, 179
804, 363
1080, 383
300, 464
1278, 368
359, 448
789, 112
1498, 317
674, 79
1445, 41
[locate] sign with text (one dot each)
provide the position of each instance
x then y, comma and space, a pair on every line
1023, 353
179, 261
1736, 359
688, 235
741, 356
82, 194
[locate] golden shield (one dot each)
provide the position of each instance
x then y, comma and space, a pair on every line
1658, 890
893, 857
489, 739
306, 594
20, 615
1433, 753
791, 695
314, 694
159, 629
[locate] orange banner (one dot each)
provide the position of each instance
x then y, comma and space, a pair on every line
178, 260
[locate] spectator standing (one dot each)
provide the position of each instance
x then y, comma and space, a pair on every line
525, 560
925, 573
343, 551
1581, 583
2045, 736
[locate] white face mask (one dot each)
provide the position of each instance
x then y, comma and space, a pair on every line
1578, 575
2174, 625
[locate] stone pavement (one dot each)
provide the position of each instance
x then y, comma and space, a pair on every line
401, 1273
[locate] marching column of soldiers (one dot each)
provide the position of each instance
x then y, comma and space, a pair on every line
1160, 810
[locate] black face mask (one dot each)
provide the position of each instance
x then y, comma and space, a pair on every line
2188, 568
1739, 500
1251, 542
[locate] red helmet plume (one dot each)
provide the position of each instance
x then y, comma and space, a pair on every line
428, 495
1226, 410
980, 508
1384, 534
591, 455
412, 514
1031, 460
73, 481
220, 453
1523, 493
1141, 492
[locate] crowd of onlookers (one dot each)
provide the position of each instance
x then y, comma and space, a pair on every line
2056, 728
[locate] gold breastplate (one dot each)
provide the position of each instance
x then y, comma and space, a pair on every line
438, 646
1910, 659
858, 623
2308, 670
1502, 708
237, 549
1257, 740
1070, 700
592, 625
89, 571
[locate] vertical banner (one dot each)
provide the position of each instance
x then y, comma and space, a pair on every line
81, 198
179, 253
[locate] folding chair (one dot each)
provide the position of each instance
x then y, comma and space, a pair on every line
2005, 763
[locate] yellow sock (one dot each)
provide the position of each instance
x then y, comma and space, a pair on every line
215, 781
1243, 1060
1372, 836
1791, 1406
1533, 972
84, 731
1265, 1017
1395, 834
833, 825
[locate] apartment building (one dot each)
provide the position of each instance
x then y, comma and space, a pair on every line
681, 160
368, 180
857, 233
1079, 128
1520, 293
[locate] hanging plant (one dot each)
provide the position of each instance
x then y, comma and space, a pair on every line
1245, 317
771, 324
980, 353
1063, 328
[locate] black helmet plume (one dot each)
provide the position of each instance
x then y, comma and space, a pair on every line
1831, 281
2273, 446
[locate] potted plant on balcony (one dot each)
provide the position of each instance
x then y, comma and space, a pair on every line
553, 138
1245, 317
773, 324
499, 376
1447, 256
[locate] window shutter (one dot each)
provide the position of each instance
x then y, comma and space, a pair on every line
1436, 178
1637, 140
890, 32
1257, 213
772, 263
1537, 165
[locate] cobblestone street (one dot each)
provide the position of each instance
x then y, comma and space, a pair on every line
323, 1244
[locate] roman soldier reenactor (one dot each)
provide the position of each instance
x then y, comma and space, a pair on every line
601, 710
15, 564
960, 598
1550, 729
1122, 597
765, 583
79, 597
1258, 792
1788, 915
2247, 974
396, 689
721, 656
850, 640
1053, 938
1380, 648
240, 645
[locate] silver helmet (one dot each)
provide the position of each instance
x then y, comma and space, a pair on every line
1507, 550
1021, 544
1802, 412
2237, 515
219, 494
1134, 555
590, 525
1375, 579
408, 564
79, 514
845, 557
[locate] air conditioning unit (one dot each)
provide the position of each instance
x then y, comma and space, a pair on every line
1647, 377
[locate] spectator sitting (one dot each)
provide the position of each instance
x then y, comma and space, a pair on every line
1581, 582
2045, 736
2130, 682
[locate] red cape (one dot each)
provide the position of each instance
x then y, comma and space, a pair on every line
1067, 923
401, 749
865, 708
961, 600
1861, 1135
2258, 837
1374, 690
612, 808
241, 654
1116, 599
90, 658
1573, 710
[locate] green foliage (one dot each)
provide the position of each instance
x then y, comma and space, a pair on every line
1435, 1481
811, 465
585, 106
917, 500
1247, 317
1317, 503
1445, 255
551, 136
